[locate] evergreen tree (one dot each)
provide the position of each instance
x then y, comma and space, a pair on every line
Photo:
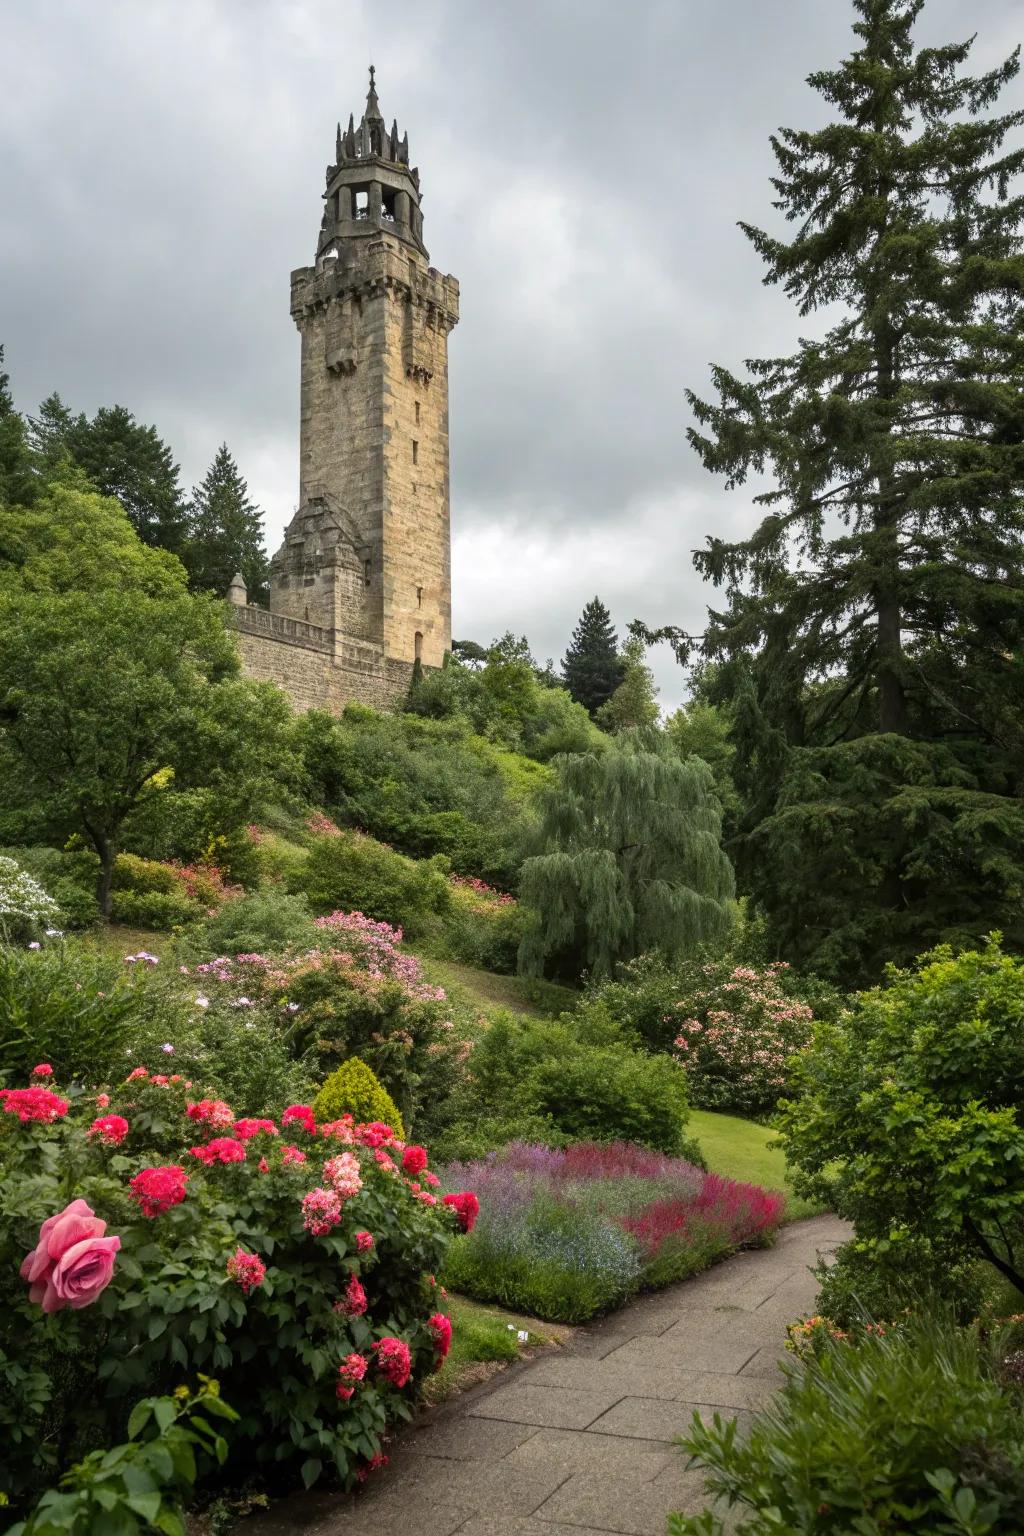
124, 459
16, 482
632, 859
225, 532
871, 637
635, 700
591, 667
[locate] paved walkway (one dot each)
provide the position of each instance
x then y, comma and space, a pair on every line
579, 1441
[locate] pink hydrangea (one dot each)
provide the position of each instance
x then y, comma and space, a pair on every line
374, 1134
338, 1130
291, 1154
394, 1360
110, 1128
43, 1070
386, 1162
321, 1210
72, 1262
246, 1269
300, 1115
350, 1373
245, 1129
342, 1173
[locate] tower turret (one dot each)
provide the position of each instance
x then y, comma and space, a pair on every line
366, 558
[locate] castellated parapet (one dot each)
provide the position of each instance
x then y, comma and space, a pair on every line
361, 587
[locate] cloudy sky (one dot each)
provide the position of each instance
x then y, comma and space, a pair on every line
584, 165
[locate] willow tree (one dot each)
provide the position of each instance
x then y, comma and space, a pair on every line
632, 859
871, 639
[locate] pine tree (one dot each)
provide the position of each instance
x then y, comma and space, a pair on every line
872, 633
635, 700
632, 859
48, 435
122, 458
16, 481
226, 532
591, 667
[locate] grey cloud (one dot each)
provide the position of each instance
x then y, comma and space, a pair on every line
584, 167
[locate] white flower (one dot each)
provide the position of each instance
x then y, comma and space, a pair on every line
167, 1048
292, 1008
35, 944
55, 933
523, 1336
202, 1001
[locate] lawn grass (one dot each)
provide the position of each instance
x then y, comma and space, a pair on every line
488, 989
486, 1339
742, 1150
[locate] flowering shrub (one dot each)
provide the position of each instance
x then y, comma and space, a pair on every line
272, 1262
157, 894
354, 872
482, 926
735, 1035
568, 1233
25, 908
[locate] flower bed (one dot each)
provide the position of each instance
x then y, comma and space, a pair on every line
567, 1234
148, 1236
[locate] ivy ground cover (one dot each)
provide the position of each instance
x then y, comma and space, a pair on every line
566, 1234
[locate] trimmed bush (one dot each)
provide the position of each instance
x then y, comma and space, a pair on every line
354, 873
160, 910
144, 876
353, 1089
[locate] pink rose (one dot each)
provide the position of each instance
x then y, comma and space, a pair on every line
72, 1261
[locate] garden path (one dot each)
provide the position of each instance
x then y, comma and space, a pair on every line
580, 1441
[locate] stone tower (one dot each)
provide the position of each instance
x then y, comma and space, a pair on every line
368, 553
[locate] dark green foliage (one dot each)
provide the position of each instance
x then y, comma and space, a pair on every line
536, 1077
160, 910
908, 1432
632, 859
871, 634
481, 932
591, 667
69, 877
908, 1116
258, 923
73, 1009
353, 1089
129, 461
635, 701
350, 872
16, 482
225, 533
863, 1284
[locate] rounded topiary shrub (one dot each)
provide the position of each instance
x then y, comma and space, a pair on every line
355, 1090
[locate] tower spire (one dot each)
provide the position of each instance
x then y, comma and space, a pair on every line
372, 104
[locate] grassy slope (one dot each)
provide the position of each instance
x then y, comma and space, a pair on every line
743, 1150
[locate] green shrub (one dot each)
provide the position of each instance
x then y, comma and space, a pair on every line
353, 873
864, 1283
76, 1010
145, 877
258, 923
908, 1115
584, 1082
908, 1432
69, 877
353, 1089
160, 910
482, 932
26, 910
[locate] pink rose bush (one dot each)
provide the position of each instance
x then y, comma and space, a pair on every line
298, 1273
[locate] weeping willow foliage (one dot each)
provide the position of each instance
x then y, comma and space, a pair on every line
632, 858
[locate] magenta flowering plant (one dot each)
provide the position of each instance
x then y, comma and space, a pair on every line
269, 1253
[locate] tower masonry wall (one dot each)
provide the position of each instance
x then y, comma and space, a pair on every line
317, 669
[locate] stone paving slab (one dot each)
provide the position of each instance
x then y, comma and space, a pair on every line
580, 1443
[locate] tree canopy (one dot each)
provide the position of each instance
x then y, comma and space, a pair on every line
871, 636
225, 532
592, 668
632, 859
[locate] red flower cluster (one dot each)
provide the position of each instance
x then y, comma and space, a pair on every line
376, 1461
292, 1155
440, 1326
245, 1129
43, 1070
354, 1303
414, 1160
364, 1242
301, 1115
33, 1104
213, 1112
466, 1207
110, 1128
394, 1360
350, 1373
222, 1149
157, 1189
374, 1134
246, 1269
